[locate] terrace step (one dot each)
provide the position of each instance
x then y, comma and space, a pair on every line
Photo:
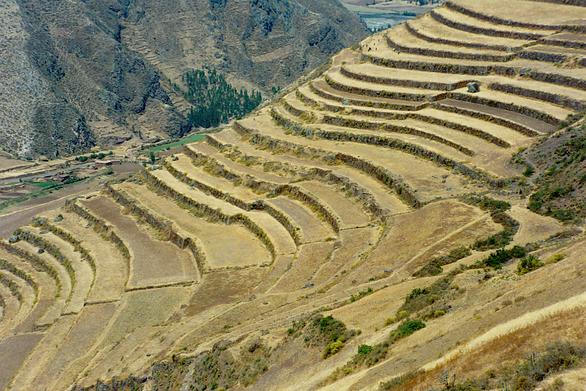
483, 155
460, 21
429, 29
312, 228
11, 311
401, 39
540, 71
153, 262
42, 354
407, 78
24, 293
323, 89
84, 333
484, 130
567, 40
523, 14
350, 213
60, 276
83, 275
342, 83
111, 272
219, 242
400, 164
244, 169
568, 98
379, 192
140, 316
291, 124
207, 205
545, 112
13, 352
306, 236
523, 123
46, 287
357, 127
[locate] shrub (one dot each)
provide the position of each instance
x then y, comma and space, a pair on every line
333, 348
364, 349
434, 267
556, 258
528, 264
529, 170
323, 332
359, 295
405, 329
498, 258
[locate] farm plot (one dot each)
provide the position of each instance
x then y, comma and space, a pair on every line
140, 315
311, 226
153, 262
351, 213
13, 352
111, 272
224, 245
64, 367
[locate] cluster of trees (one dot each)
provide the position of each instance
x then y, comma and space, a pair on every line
214, 100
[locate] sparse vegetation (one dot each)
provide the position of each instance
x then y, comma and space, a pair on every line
497, 259
322, 332
434, 267
524, 374
528, 264
368, 356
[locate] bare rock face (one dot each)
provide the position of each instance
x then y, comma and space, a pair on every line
85, 72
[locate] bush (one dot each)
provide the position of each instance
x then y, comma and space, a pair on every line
325, 333
405, 329
489, 204
497, 259
434, 267
528, 264
364, 349
360, 295
556, 258
333, 348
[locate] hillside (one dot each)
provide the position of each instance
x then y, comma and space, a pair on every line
86, 73
369, 230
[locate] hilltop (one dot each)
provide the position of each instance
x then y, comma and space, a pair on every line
85, 73
374, 228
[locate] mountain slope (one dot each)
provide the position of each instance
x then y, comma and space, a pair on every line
82, 73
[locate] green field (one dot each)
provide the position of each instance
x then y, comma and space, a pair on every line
192, 138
